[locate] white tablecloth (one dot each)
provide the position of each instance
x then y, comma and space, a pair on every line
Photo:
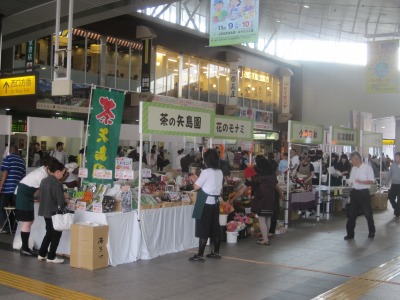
167, 230
160, 231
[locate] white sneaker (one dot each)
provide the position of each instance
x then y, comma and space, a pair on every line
55, 260
41, 257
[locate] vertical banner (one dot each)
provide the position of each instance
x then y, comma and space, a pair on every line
30, 55
285, 104
146, 66
234, 83
233, 22
104, 129
382, 75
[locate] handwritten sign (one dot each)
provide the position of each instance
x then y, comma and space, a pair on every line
83, 173
102, 174
124, 174
123, 163
98, 207
146, 173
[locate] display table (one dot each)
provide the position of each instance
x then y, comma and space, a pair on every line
304, 200
167, 230
160, 231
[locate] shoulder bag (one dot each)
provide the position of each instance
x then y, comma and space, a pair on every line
63, 219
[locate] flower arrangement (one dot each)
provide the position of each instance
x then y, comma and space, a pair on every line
240, 217
225, 208
235, 226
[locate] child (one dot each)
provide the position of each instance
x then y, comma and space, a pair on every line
51, 198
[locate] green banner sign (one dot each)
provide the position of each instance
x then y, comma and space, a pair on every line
232, 128
104, 128
306, 133
344, 136
160, 118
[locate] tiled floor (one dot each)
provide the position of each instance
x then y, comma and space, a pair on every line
310, 259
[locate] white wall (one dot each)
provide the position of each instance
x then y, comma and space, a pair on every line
330, 91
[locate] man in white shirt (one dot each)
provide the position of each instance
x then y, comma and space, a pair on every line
59, 153
294, 160
361, 178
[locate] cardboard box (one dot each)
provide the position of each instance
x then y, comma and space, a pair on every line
379, 201
89, 246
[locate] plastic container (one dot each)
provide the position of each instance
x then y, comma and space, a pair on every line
223, 220
231, 237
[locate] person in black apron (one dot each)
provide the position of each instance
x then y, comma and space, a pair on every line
206, 210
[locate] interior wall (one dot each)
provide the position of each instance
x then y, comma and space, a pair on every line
330, 91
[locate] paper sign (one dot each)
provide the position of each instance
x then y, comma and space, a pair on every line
124, 174
146, 173
83, 173
97, 207
123, 163
102, 174
81, 205
71, 205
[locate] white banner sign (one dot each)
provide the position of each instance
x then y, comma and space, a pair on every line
159, 118
285, 109
372, 139
306, 133
263, 119
233, 128
102, 174
344, 136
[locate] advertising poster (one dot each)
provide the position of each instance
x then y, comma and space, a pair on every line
263, 119
382, 75
233, 22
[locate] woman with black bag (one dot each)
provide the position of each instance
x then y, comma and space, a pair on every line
51, 200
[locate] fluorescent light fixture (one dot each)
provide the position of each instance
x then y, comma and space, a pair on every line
137, 120
306, 6
57, 113
161, 54
383, 127
278, 21
8, 109
174, 60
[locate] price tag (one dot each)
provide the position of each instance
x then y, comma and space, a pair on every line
102, 174
83, 173
81, 206
71, 205
124, 174
146, 173
97, 207
123, 163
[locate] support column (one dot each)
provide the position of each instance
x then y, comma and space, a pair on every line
103, 63
397, 135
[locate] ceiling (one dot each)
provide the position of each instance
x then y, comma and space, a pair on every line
333, 20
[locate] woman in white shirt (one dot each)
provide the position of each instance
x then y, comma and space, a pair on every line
206, 210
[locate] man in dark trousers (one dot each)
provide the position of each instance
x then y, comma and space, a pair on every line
361, 178
394, 191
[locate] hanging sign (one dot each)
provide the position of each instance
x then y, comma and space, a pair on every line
233, 128
372, 139
305, 133
18, 85
104, 130
344, 136
160, 118
263, 119
233, 22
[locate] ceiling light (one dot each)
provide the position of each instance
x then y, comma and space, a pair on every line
8, 109
306, 6
158, 63
383, 127
278, 21
173, 60
57, 113
137, 120
160, 54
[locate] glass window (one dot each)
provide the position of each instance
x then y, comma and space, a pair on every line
194, 75
213, 83
203, 81
161, 73
172, 66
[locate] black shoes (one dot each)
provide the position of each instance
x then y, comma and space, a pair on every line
371, 235
197, 257
214, 255
348, 237
28, 252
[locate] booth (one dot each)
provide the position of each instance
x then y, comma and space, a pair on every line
309, 135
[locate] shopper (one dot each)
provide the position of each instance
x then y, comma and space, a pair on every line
59, 153
294, 160
361, 178
37, 156
206, 210
283, 164
24, 204
13, 168
177, 165
394, 191
152, 160
51, 199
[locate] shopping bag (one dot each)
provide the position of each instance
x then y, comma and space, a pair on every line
62, 220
